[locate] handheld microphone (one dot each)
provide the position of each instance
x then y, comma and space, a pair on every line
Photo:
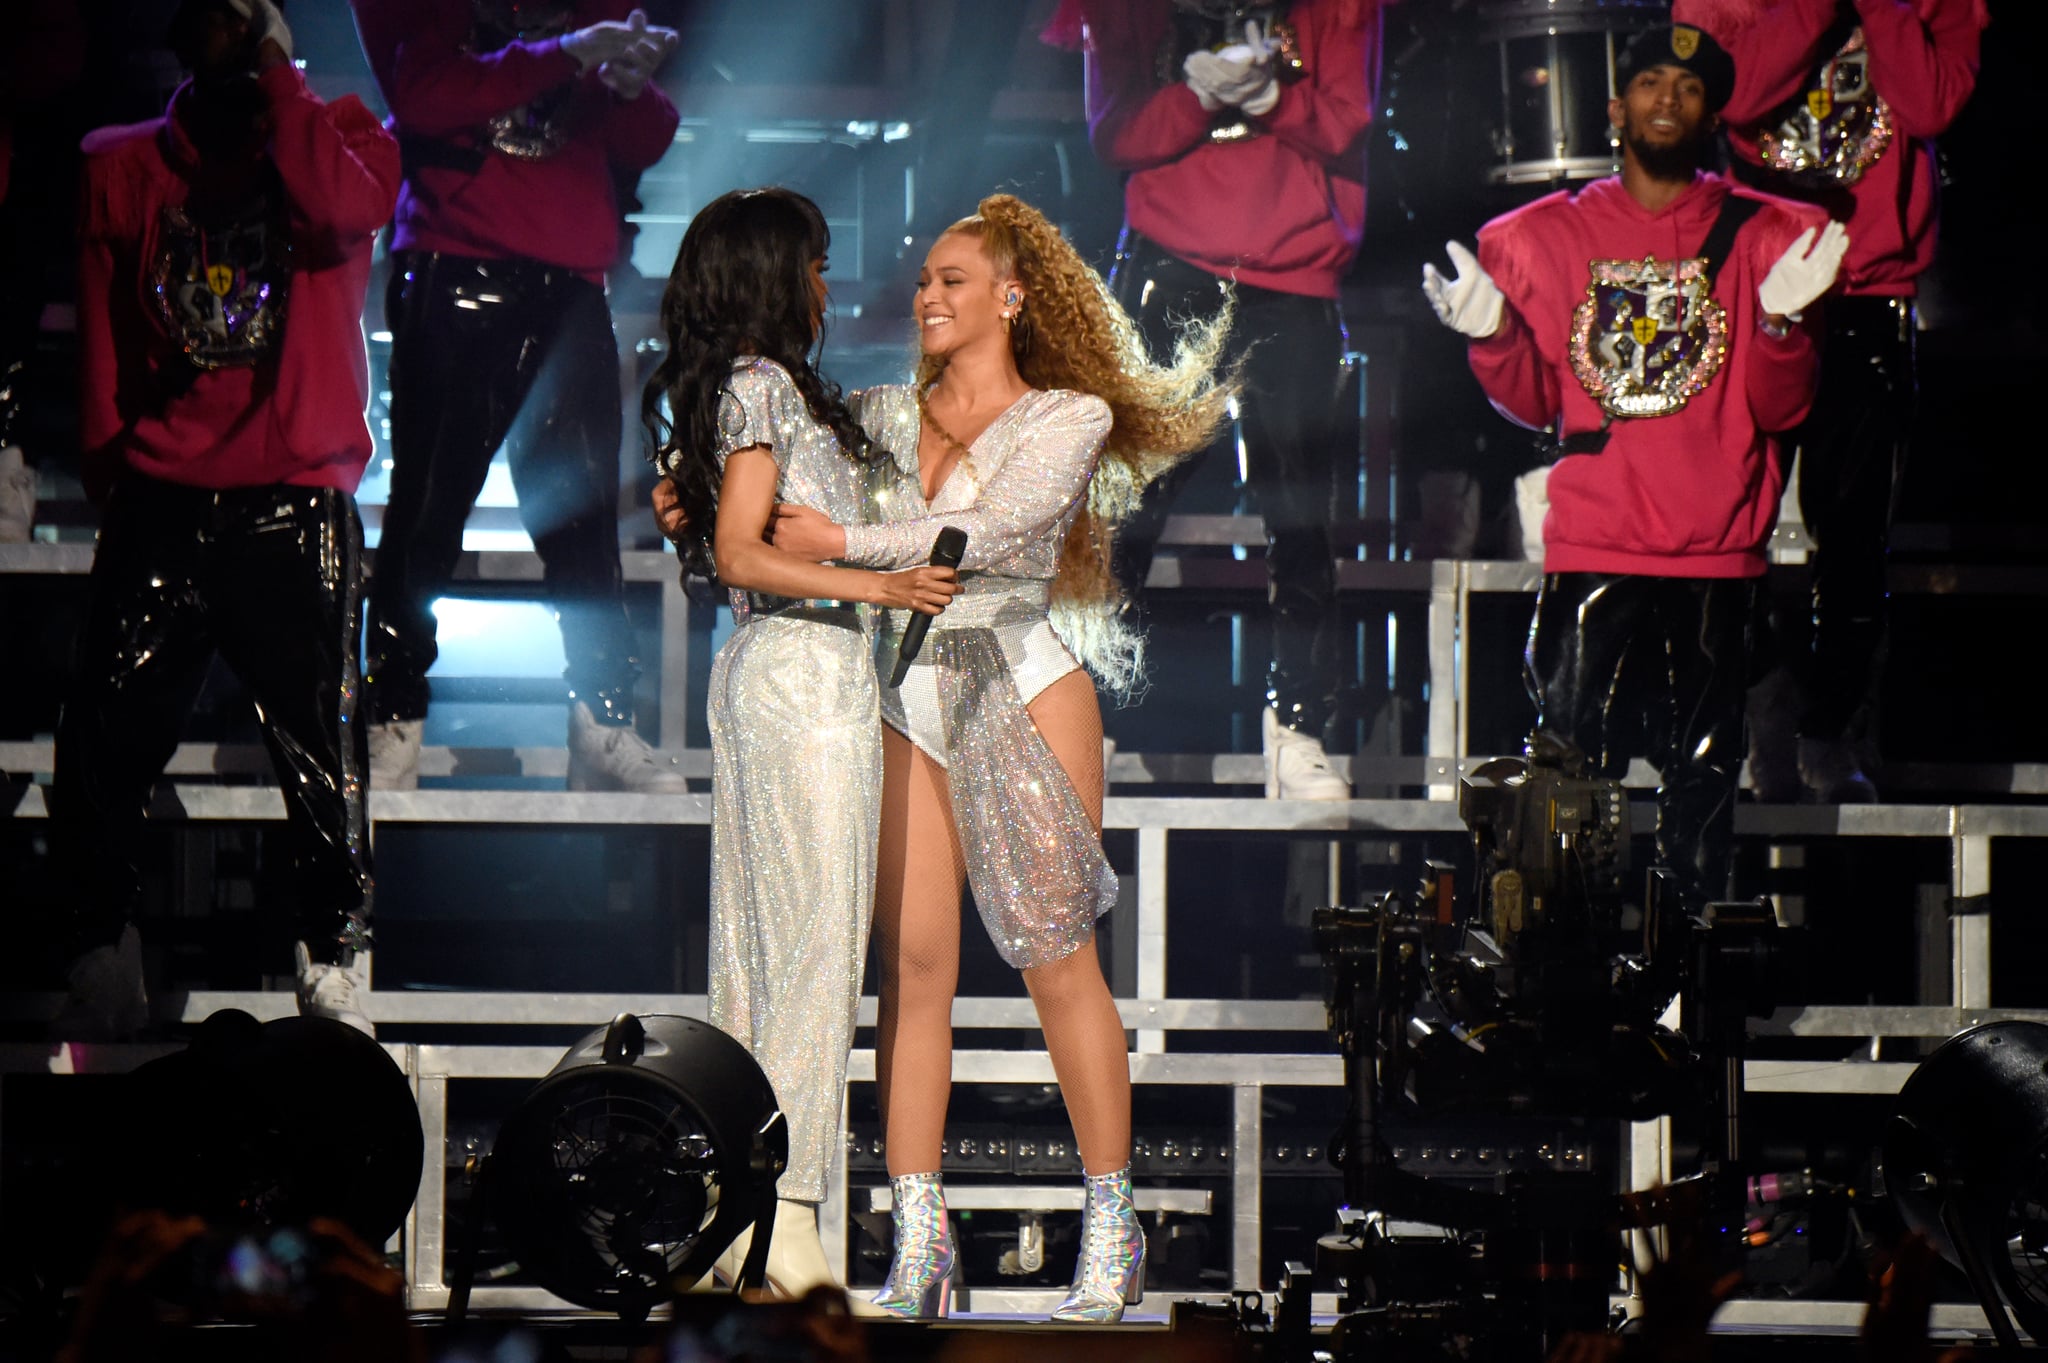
946, 552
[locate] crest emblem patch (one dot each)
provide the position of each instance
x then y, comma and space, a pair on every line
1838, 129
1648, 336
1685, 40
219, 288
538, 128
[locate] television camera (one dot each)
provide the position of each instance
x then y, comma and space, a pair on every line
1536, 992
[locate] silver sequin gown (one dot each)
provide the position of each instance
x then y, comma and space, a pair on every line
796, 754
1034, 861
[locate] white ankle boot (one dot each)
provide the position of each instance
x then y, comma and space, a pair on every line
796, 1256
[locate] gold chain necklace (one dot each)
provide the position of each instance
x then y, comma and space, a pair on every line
924, 413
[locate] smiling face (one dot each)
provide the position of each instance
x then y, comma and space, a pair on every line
961, 298
1663, 119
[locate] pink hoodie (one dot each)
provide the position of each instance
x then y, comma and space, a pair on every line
1922, 64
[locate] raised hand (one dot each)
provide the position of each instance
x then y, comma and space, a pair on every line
627, 74
1805, 272
1223, 81
1470, 303
613, 40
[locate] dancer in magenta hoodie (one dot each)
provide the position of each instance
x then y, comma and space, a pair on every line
519, 120
1240, 130
1837, 103
1657, 321
224, 251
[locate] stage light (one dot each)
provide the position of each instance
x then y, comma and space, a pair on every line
278, 1123
1966, 1159
633, 1165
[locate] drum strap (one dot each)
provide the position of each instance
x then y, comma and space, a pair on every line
1736, 210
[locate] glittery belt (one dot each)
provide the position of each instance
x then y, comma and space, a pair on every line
760, 604
984, 603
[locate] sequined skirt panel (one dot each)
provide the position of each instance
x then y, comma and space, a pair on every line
796, 798
1034, 860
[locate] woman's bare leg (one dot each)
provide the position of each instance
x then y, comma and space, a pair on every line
1083, 1033
918, 878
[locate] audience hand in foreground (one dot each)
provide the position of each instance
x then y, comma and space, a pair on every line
117, 1313
1901, 1298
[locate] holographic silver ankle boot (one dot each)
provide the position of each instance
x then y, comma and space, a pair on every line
920, 1281
1110, 1274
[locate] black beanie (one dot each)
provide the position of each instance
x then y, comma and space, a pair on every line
1679, 45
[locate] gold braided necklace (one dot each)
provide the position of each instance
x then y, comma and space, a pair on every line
924, 413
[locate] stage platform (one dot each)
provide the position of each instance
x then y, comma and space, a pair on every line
1238, 1066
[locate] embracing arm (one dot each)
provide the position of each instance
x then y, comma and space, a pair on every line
746, 497
1043, 477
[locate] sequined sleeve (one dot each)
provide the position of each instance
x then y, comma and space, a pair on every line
1025, 502
760, 406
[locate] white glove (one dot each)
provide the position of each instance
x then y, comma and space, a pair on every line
1805, 272
611, 40
1239, 76
1470, 304
265, 23
627, 74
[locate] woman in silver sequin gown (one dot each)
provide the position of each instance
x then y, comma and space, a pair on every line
1035, 422
743, 421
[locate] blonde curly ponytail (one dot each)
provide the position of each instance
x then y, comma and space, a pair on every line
1073, 334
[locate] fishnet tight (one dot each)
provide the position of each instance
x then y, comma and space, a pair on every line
920, 875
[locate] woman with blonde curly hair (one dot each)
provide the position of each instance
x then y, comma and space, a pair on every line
1035, 421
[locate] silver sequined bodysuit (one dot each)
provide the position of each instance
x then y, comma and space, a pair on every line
1034, 861
796, 798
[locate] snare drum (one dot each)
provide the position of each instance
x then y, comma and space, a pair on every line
1555, 61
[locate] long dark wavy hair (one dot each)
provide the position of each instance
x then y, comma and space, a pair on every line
740, 286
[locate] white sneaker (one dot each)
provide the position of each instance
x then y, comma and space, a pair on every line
107, 1000
17, 496
395, 754
333, 991
614, 757
1297, 768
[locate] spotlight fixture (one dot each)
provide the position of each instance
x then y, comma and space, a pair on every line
276, 1123
1966, 1159
632, 1166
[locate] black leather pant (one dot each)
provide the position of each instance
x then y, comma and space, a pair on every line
1657, 666
270, 579
1852, 449
1289, 423
487, 353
